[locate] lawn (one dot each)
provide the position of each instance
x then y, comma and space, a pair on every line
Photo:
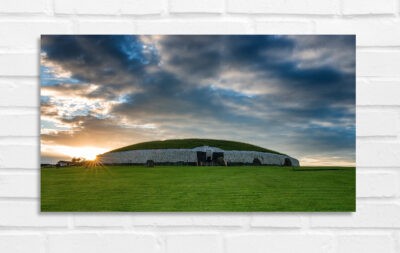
189, 188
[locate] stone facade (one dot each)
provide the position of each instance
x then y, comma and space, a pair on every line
190, 156
157, 155
246, 157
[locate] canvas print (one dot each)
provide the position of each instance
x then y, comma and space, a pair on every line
197, 123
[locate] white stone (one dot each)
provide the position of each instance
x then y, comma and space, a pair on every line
190, 156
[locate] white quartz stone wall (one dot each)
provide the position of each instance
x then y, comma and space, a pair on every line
294, 161
233, 156
189, 155
157, 155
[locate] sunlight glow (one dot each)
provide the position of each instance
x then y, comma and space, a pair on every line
89, 153
326, 161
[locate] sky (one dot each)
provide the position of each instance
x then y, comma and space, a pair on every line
292, 94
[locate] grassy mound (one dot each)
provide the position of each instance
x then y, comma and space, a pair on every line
192, 143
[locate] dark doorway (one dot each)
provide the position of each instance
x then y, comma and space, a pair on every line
150, 163
256, 161
217, 155
218, 158
201, 158
287, 162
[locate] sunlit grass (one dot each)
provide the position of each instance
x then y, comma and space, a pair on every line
189, 188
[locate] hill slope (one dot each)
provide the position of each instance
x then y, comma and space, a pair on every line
192, 143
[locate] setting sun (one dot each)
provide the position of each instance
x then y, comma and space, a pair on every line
89, 153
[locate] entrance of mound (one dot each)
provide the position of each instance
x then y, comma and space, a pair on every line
208, 157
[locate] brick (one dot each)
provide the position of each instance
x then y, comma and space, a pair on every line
370, 32
105, 242
161, 220
20, 243
278, 243
130, 242
172, 219
142, 7
275, 220
283, 27
378, 154
106, 27
228, 219
378, 93
87, 7
19, 93
190, 27
378, 63
19, 185
26, 34
75, 243
366, 216
356, 7
115, 7
16, 125
27, 214
377, 123
201, 6
19, 64
10, 157
101, 220
22, 6
376, 184
365, 243
318, 7
193, 243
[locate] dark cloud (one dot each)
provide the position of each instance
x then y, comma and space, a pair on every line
113, 62
281, 92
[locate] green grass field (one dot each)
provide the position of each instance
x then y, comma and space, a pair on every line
187, 188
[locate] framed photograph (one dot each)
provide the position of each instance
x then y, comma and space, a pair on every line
197, 123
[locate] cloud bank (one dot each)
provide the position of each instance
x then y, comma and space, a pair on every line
294, 94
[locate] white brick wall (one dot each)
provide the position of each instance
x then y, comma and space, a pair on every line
375, 227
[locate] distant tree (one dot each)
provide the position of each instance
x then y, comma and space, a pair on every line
78, 160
